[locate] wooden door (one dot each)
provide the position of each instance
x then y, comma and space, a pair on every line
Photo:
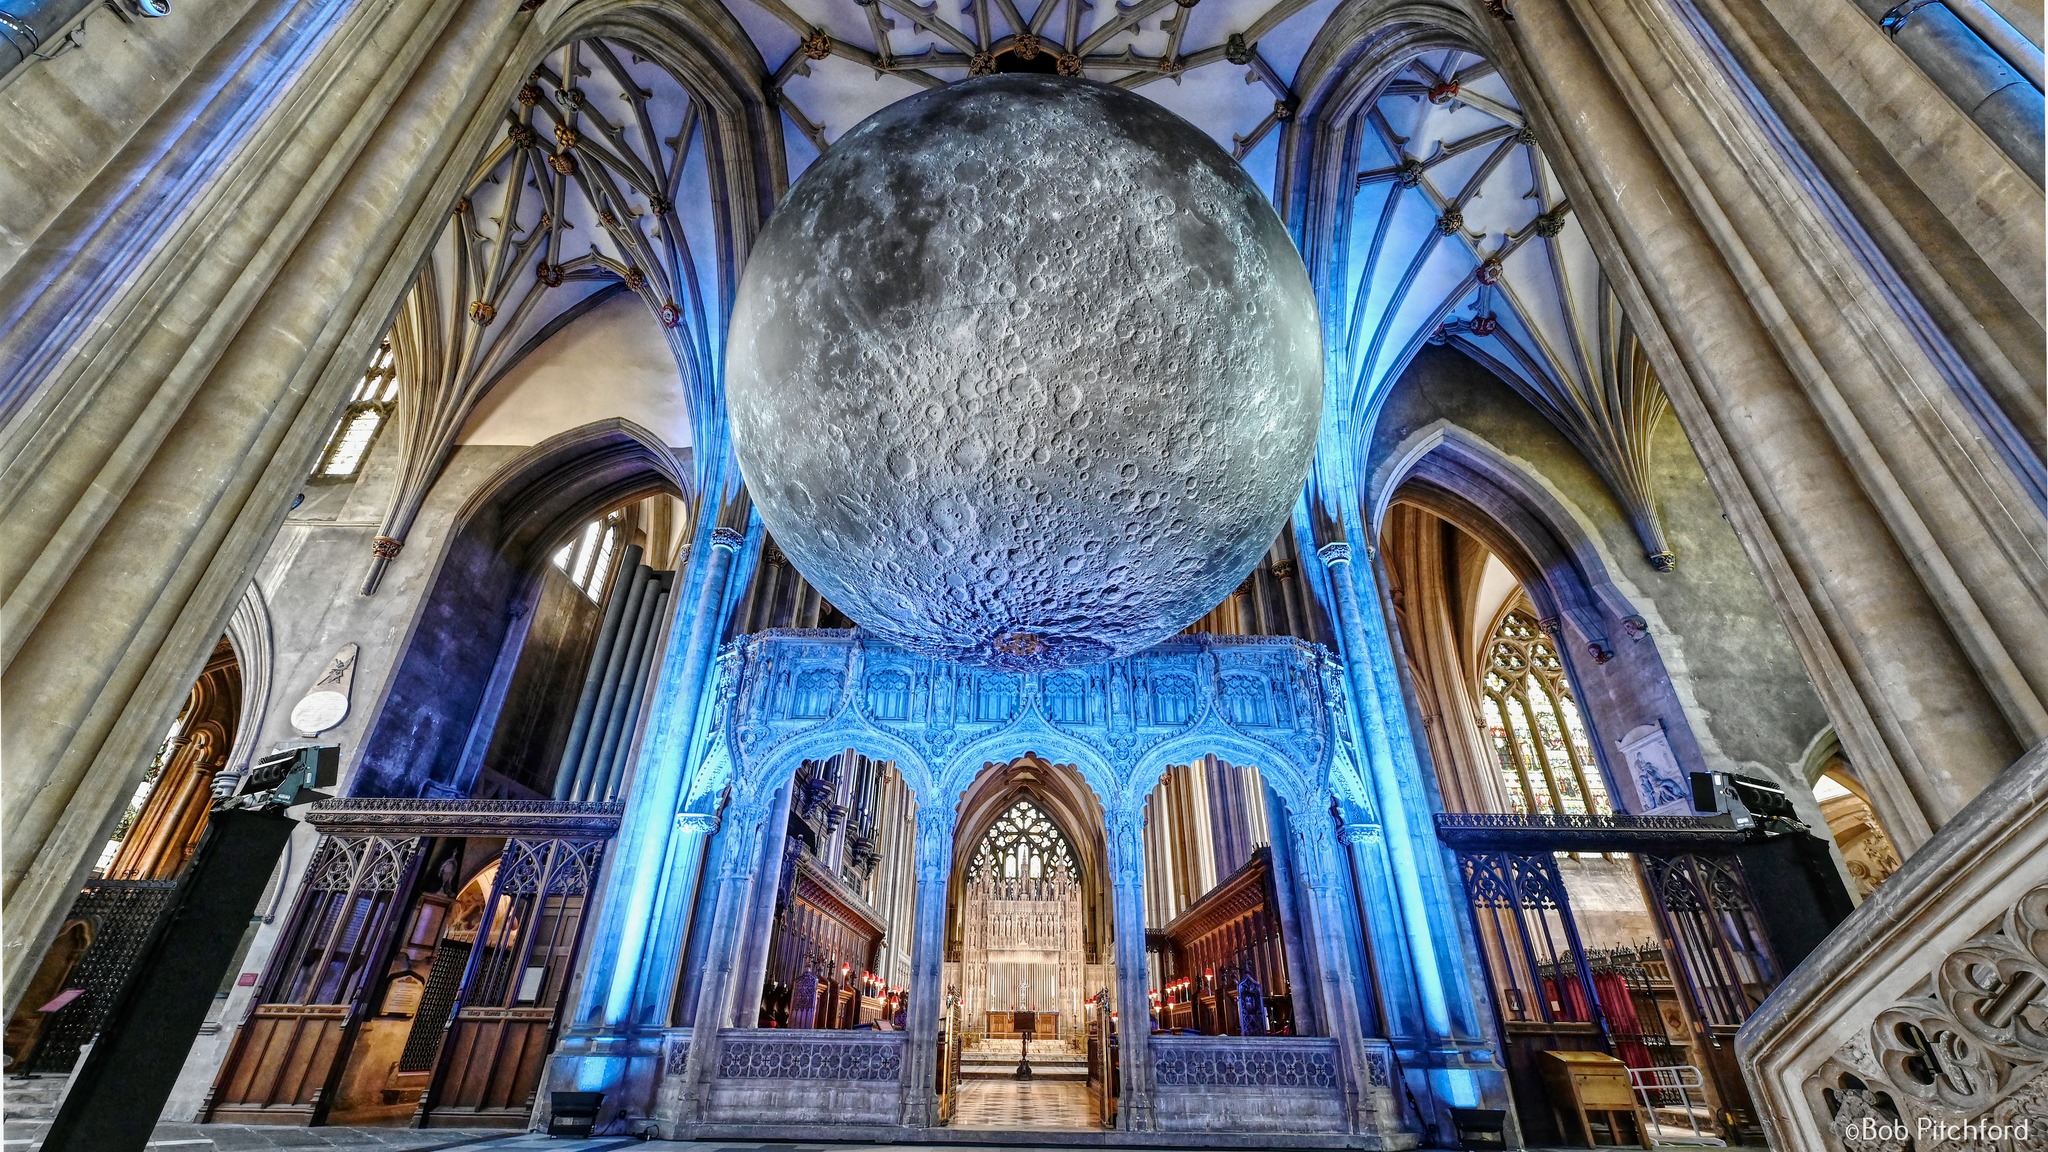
504, 1022
285, 1058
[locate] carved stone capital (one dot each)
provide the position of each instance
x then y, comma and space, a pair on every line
386, 547
1361, 834
1335, 552
729, 539
704, 822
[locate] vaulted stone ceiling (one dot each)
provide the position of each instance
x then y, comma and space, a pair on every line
1459, 233
600, 182
1226, 65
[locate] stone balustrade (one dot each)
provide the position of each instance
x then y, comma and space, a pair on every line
1919, 1023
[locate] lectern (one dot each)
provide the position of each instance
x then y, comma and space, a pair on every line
1026, 1022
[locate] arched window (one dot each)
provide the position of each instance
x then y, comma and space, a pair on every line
1024, 844
587, 558
1546, 762
365, 416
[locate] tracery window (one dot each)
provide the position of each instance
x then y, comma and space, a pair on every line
1023, 844
367, 413
1546, 762
587, 558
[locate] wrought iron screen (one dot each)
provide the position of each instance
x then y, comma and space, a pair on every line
437, 1004
121, 915
1724, 957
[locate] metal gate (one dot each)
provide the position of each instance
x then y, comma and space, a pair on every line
120, 916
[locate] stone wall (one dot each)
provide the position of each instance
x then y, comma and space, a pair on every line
1739, 684
1248, 1084
791, 1078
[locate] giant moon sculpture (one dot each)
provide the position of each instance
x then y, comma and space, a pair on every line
1024, 372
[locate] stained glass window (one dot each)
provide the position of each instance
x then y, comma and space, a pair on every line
1546, 762
367, 412
1023, 844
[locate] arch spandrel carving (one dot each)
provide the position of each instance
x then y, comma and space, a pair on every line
790, 695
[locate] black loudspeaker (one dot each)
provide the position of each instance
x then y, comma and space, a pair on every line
1794, 872
119, 1092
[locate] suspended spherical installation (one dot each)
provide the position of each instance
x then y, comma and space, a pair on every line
1024, 372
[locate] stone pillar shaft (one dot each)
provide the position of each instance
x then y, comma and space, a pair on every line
1381, 776
662, 967
1340, 981
1835, 427
619, 947
757, 931
1308, 1017
934, 855
1133, 1002
170, 379
739, 850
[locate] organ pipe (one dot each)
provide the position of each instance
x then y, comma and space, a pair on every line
639, 661
608, 708
600, 659
607, 693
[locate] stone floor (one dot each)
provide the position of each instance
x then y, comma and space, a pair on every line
21, 1137
1042, 1105
26, 1136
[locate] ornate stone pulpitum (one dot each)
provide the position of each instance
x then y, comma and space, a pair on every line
1027, 412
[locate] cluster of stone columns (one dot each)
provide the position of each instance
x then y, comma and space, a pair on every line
1838, 417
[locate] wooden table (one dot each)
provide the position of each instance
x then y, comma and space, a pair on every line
1588, 1083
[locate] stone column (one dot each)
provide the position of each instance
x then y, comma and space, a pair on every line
1838, 429
757, 932
738, 851
1339, 977
1393, 972
619, 946
663, 965
1133, 1005
934, 854
1307, 1009
170, 373
1382, 776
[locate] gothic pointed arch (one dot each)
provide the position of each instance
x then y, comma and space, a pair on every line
1068, 805
1444, 499
423, 739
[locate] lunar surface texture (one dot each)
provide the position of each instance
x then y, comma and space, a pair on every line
1024, 372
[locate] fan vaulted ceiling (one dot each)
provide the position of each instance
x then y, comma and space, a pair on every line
1459, 233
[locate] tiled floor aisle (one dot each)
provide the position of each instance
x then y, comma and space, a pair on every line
1029, 1104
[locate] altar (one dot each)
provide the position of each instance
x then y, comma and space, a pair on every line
1002, 1025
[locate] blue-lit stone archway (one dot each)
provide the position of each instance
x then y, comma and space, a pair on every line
784, 697
1270, 701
